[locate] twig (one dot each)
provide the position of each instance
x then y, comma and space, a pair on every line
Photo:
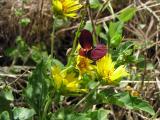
100, 10
140, 115
95, 39
17, 78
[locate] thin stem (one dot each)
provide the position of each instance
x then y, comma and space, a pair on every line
46, 108
100, 10
70, 58
111, 10
95, 38
85, 97
52, 39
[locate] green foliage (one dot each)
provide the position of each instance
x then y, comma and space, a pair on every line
124, 99
19, 12
21, 50
95, 4
115, 33
37, 54
21, 113
37, 92
127, 14
6, 97
4, 116
124, 53
24, 22
60, 23
67, 114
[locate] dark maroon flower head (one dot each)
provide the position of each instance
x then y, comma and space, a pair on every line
98, 52
86, 40
87, 50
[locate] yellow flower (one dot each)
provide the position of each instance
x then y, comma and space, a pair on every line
66, 8
105, 68
65, 81
84, 64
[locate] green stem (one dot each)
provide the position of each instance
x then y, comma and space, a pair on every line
95, 37
71, 56
85, 97
111, 10
46, 108
52, 40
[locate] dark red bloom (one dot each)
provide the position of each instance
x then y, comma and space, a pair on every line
88, 50
98, 52
86, 40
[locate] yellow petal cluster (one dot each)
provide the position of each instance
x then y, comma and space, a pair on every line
65, 81
106, 69
66, 8
84, 64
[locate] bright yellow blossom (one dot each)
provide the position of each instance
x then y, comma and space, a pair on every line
65, 81
105, 68
66, 8
84, 64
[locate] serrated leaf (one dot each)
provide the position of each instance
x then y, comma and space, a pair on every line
21, 113
127, 14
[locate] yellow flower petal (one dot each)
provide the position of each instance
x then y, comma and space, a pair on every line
66, 8
65, 81
118, 73
105, 68
84, 64
57, 5
73, 86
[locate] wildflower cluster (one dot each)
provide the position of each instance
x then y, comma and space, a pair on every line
92, 61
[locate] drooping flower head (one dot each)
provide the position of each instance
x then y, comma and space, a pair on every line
88, 50
66, 8
106, 69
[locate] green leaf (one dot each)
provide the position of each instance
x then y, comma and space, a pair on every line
124, 99
116, 40
115, 33
89, 27
37, 54
95, 4
100, 114
127, 14
7, 94
21, 113
115, 28
135, 103
68, 114
19, 12
24, 22
4, 116
37, 90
